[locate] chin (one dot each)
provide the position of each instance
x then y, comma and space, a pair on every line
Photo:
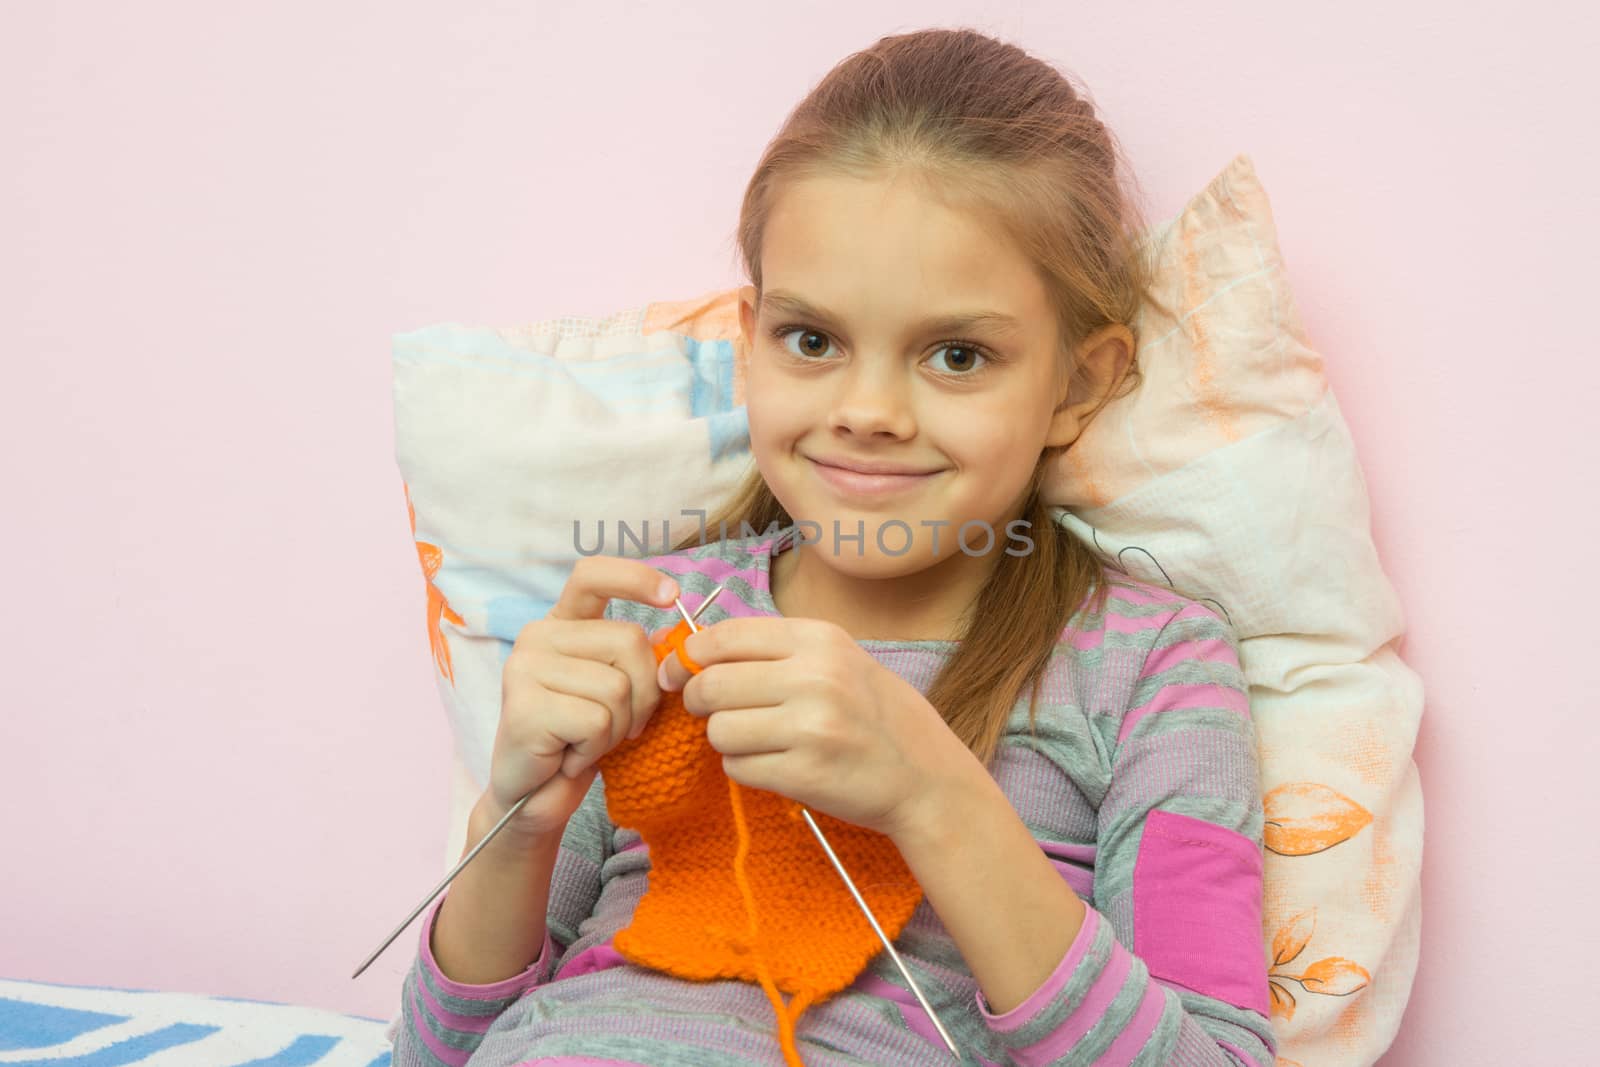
871, 563
898, 556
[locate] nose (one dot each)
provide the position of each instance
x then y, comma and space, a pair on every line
874, 397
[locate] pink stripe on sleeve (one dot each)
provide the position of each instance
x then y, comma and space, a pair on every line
1133, 624
1187, 697
578, 1061
1065, 851
715, 569
1239, 1053
911, 1011
1086, 1015
594, 958
1214, 649
455, 1057
516, 985
1134, 1036
470, 1024
1081, 880
1052, 986
1136, 591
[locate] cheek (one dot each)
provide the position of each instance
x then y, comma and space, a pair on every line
772, 404
1003, 444
766, 418
980, 430
772, 435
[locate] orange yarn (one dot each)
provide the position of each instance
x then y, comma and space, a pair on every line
785, 919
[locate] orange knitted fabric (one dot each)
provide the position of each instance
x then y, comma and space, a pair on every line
739, 887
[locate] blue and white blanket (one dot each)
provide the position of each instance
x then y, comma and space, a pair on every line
47, 1025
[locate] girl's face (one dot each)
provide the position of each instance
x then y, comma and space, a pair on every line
857, 275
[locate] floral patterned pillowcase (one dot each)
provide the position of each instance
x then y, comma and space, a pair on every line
1229, 474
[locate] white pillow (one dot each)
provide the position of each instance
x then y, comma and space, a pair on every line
1228, 474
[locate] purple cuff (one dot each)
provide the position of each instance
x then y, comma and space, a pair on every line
1051, 987
514, 986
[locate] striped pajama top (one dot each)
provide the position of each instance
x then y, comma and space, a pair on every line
1141, 785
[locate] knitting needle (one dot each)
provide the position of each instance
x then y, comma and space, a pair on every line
850, 884
904, 971
501, 824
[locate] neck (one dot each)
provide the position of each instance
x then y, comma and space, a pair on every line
926, 605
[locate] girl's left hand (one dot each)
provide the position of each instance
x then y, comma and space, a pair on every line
798, 708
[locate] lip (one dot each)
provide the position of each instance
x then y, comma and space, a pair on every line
855, 483
867, 467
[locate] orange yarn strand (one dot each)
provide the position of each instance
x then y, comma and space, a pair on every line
786, 1021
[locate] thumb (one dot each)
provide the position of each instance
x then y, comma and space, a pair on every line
672, 675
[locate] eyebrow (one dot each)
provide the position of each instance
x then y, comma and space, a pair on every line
788, 303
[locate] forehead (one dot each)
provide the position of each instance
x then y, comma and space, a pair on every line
875, 251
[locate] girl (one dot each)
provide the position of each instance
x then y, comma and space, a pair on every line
946, 276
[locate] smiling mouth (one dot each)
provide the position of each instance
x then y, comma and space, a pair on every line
857, 484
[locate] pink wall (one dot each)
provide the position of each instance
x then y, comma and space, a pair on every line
222, 762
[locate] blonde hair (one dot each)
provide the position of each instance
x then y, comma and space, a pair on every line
991, 129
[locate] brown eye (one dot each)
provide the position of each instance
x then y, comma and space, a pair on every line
812, 342
968, 358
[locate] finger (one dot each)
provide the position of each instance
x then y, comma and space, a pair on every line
747, 731
772, 771
724, 686
621, 646
588, 735
595, 580
745, 638
579, 758
602, 683
542, 738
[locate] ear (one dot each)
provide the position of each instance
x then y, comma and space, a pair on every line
747, 314
1101, 361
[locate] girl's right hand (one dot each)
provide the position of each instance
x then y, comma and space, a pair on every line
574, 687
